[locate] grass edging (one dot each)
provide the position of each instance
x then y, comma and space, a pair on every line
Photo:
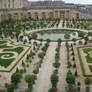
16, 62
19, 58
81, 63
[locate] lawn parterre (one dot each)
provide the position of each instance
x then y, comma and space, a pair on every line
90, 67
2, 42
87, 50
11, 54
18, 49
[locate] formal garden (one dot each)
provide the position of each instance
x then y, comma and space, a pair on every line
48, 59
84, 53
78, 23
11, 54
14, 28
79, 71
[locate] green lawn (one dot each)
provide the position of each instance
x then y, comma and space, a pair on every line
8, 59
2, 42
86, 50
6, 62
7, 54
90, 67
4, 46
81, 62
88, 58
17, 49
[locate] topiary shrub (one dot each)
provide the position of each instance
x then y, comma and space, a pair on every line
53, 89
15, 78
69, 64
56, 64
54, 79
10, 88
88, 81
35, 71
76, 74
70, 78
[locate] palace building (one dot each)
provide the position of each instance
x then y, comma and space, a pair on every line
23, 9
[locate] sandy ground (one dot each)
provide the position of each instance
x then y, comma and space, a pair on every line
43, 83
23, 85
62, 70
60, 24
5, 76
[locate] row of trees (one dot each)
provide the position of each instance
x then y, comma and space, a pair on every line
18, 75
71, 76
56, 65
78, 23
15, 28
30, 79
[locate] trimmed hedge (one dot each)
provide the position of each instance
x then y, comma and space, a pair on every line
20, 57
81, 63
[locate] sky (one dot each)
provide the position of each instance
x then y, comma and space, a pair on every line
74, 1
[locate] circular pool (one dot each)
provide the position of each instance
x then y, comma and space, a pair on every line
54, 35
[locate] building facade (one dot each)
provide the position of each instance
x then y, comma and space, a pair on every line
21, 9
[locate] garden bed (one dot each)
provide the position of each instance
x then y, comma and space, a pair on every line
84, 55
11, 54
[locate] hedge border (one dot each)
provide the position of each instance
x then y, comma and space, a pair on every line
81, 62
19, 58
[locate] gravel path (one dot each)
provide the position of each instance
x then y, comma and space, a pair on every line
23, 85
43, 83
60, 24
62, 70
